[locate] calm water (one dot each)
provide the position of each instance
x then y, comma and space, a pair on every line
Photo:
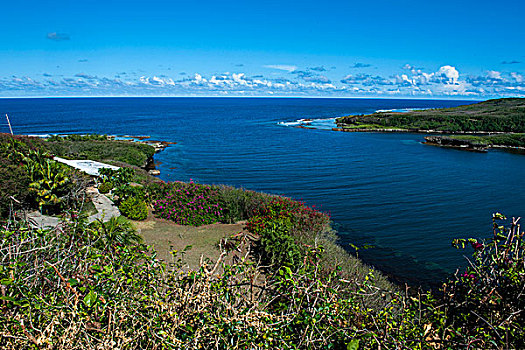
406, 199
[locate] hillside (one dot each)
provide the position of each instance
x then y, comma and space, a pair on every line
500, 115
282, 282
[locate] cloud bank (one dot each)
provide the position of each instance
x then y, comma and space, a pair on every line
409, 81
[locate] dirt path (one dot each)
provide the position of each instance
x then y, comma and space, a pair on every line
104, 206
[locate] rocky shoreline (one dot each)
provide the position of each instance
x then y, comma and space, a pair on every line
443, 141
417, 131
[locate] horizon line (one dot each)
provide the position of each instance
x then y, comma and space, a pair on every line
265, 97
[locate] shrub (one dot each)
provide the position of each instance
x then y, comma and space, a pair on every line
134, 208
118, 177
105, 187
123, 192
157, 190
189, 204
240, 204
285, 226
278, 246
117, 230
14, 183
486, 301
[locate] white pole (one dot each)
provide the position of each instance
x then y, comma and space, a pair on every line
9, 123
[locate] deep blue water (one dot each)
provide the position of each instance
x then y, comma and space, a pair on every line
406, 199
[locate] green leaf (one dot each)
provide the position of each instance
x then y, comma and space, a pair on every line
73, 282
90, 299
6, 281
353, 345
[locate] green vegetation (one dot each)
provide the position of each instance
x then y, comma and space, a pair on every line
501, 115
118, 177
365, 126
482, 141
187, 203
99, 148
30, 179
134, 208
33, 180
98, 286
286, 285
105, 187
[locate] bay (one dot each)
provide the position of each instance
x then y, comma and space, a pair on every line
405, 199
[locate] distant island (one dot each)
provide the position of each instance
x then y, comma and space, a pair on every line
492, 123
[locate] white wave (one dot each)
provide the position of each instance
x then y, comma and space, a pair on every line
42, 136
401, 110
318, 123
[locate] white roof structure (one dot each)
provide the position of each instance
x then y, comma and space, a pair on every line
88, 166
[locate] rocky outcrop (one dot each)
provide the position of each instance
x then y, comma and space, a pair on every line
445, 141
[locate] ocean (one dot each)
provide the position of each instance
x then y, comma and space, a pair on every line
405, 200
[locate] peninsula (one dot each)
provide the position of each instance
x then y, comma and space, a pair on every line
492, 123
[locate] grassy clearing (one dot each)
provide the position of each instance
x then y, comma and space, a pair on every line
166, 236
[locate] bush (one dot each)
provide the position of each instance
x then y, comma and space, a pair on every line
14, 183
118, 177
124, 192
240, 204
285, 227
134, 208
189, 204
105, 187
157, 190
486, 301
117, 230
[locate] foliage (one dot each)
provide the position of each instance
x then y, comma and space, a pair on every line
14, 179
78, 137
96, 286
285, 226
277, 244
134, 208
105, 187
14, 182
510, 140
50, 183
487, 301
157, 190
123, 192
240, 204
118, 177
116, 230
100, 149
188, 204
47, 183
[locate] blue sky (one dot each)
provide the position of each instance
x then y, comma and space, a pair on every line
432, 49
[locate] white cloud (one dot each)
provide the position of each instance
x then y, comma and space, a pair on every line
517, 77
492, 74
444, 81
284, 67
448, 72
